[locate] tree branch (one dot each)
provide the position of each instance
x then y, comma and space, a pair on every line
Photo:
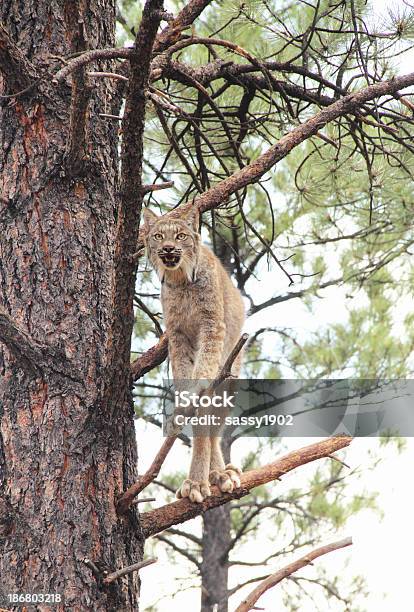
179, 550
127, 570
156, 186
91, 56
251, 173
152, 358
131, 196
182, 510
225, 371
183, 20
248, 603
127, 498
185, 534
254, 171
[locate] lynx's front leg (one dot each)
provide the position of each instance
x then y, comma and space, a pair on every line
225, 477
196, 487
210, 347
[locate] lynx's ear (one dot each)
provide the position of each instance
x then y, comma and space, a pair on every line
149, 218
192, 218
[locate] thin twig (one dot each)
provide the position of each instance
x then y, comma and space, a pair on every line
156, 186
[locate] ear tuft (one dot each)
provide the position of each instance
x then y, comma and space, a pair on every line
192, 218
149, 217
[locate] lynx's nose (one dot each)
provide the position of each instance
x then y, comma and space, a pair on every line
168, 248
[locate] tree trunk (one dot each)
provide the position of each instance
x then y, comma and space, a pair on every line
65, 453
215, 543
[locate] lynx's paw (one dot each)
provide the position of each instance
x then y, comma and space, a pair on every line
227, 480
195, 491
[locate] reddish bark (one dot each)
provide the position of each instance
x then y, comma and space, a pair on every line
63, 458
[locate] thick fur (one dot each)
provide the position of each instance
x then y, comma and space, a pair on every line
204, 316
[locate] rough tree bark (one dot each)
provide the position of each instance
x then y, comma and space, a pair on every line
62, 460
214, 553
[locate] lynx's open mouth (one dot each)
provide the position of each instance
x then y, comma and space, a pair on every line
170, 260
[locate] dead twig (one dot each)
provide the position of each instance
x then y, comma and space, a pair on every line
249, 602
128, 570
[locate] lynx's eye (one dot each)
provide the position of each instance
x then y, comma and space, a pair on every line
158, 236
181, 236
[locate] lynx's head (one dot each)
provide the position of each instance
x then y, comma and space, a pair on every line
173, 244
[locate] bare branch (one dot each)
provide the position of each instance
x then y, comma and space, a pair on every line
91, 56
168, 36
225, 371
251, 173
254, 171
185, 534
181, 551
182, 510
108, 75
94, 569
248, 603
144, 500
156, 187
131, 196
126, 499
150, 359
184, 19
128, 570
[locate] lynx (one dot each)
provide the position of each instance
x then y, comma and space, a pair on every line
204, 315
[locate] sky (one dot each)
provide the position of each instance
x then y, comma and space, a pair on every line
382, 546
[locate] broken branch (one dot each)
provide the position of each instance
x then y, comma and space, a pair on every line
156, 187
128, 570
150, 359
77, 145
